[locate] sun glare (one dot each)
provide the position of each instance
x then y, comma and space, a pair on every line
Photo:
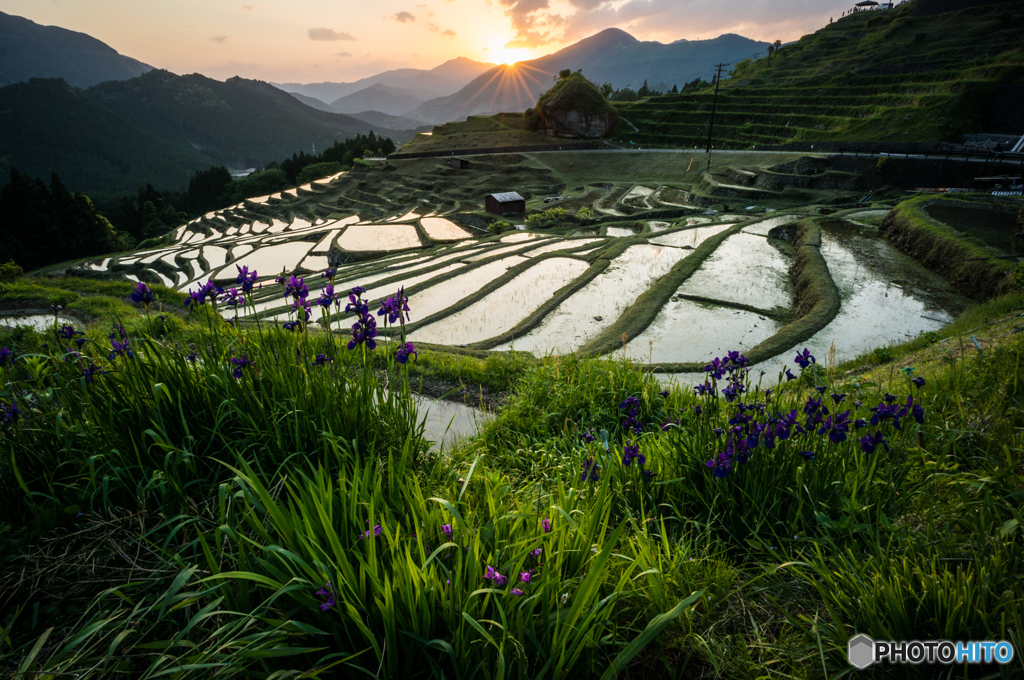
507, 55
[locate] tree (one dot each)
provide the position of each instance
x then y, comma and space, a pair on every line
675, 89
563, 74
208, 189
644, 91
607, 90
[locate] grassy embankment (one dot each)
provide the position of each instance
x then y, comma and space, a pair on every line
160, 514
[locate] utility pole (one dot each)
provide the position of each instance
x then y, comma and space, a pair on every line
714, 107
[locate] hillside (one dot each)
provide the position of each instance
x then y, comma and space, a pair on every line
29, 50
50, 126
911, 74
393, 101
159, 128
423, 83
610, 56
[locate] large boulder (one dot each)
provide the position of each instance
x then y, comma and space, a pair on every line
575, 108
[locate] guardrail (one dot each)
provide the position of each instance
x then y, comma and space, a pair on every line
986, 156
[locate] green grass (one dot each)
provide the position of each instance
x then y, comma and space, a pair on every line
167, 518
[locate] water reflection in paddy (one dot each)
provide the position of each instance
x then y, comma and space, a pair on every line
747, 269
887, 297
689, 237
379, 237
598, 304
507, 306
693, 331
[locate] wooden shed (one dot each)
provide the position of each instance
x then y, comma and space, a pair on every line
505, 203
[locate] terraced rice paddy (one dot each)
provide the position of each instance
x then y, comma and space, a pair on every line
560, 289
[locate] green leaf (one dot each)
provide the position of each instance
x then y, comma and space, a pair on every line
654, 628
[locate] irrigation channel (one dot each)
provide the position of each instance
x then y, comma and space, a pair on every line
671, 293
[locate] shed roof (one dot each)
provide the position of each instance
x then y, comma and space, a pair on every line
866, 3
507, 197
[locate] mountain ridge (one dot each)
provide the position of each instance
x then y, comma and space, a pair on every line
31, 50
509, 88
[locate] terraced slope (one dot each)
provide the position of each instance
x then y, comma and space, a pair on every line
888, 76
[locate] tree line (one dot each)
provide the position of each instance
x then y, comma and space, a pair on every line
42, 225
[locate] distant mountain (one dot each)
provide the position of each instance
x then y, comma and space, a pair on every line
610, 56
313, 102
378, 97
159, 128
29, 50
392, 122
423, 84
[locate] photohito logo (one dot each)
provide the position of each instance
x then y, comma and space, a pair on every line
863, 651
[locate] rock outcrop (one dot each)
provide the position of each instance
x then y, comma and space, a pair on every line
575, 108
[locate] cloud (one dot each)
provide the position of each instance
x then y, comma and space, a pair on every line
247, 8
533, 27
427, 11
404, 17
343, 54
669, 20
329, 34
448, 33
219, 39
434, 28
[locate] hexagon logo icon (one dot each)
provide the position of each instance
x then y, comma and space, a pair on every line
861, 652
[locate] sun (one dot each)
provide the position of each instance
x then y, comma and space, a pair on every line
507, 55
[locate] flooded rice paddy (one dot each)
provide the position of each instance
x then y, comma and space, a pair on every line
738, 297
501, 310
596, 306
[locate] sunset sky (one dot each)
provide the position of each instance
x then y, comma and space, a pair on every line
343, 40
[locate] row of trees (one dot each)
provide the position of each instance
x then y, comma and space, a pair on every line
42, 225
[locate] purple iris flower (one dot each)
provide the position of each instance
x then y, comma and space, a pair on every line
405, 351
327, 298
516, 591
589, 437
446, 529
494, 577
142, 294
630, 452
119, 331
246, 278
322, 359
78, 341
664, 393
375, 531
838, 397
871, 442
721, 464
805, 358
290, 325
328, 274
789, 375
364, 331
919, 382
233, 298
191, 357
328, 592
589, 470
240, 363
296, 288
536, 553
546, 525
67, 332
302, 309
525, 576
6, 356
395, 308
9, 413
119, 349
809, 455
